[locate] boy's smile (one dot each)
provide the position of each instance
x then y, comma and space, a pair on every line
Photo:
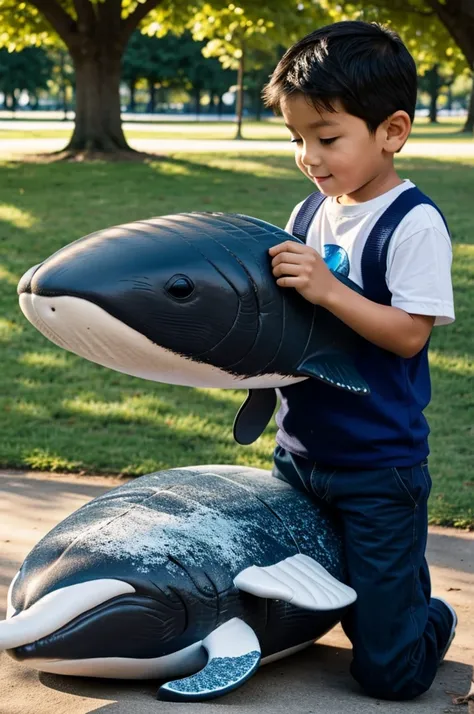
337, 152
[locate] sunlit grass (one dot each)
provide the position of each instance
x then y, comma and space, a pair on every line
60, 412
456, 364
8, 276
15, 216
44, 359
8, 328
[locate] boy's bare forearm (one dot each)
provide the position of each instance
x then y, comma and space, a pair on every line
388, 327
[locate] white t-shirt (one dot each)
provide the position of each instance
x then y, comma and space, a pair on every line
419, 254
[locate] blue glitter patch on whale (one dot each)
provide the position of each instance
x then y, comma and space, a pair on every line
220, 673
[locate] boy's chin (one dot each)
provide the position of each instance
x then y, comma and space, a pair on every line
326, 188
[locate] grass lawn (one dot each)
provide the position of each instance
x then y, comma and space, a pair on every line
59, 412
268, 130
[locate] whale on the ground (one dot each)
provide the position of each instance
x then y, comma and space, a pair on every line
190, 299
199, 573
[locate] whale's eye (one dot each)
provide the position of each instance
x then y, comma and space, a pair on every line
179, 287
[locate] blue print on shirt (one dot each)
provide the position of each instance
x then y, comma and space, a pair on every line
337, 259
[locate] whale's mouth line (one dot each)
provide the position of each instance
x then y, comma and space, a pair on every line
181, 662
119, 609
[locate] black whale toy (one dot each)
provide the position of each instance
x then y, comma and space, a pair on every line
190, 299
202, 570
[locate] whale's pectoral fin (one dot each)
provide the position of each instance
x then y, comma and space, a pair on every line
299, 580
234, 655
254, 415
336, 369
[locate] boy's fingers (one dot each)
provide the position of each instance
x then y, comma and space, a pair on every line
288, 246
286, 258
290, 282
287, 269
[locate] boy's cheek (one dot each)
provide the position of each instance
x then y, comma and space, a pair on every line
300, 164
303, 169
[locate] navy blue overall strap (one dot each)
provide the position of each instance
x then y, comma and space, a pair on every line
306, 214
374, 255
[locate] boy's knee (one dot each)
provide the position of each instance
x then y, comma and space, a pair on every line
388, 682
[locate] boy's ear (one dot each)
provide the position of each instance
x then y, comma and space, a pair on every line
396, 129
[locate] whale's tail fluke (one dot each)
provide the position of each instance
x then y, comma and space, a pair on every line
234, 655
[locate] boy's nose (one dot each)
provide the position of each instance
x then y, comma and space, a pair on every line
310, 156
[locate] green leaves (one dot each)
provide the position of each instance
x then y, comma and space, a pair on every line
23, 26
420, 27
228, 28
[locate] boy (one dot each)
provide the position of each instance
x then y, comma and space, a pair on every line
347, 93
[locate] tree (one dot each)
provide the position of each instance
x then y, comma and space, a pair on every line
433, 81
240, 34
63, 78
174, 61
96, 33
28, 70
457, 17
262, 65
434, 30
153, 59
198, 73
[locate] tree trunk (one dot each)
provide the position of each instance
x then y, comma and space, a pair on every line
469, 125
258, 107
449, 97
96, 35
152, 96
132, 103
433, 89
10, 101
240, 95
64, 99
98, 125
197, 101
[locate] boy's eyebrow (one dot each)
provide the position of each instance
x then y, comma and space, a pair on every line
315, 124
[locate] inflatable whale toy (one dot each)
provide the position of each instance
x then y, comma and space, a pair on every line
202, 573
190, 299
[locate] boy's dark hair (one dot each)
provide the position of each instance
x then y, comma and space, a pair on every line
364, 66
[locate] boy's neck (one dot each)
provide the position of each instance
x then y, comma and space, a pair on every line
377, 186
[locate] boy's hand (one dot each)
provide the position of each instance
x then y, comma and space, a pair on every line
298, 266
301, 267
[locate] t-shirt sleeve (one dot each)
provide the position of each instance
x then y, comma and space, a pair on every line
419, 270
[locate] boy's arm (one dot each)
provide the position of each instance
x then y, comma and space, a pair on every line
385, 326
402, 331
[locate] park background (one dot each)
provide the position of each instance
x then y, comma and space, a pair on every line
119, 110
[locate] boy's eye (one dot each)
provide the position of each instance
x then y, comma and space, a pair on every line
295, 141
325, 142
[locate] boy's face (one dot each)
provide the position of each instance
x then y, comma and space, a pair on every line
335, 149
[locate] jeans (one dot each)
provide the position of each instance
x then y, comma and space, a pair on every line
397, 633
